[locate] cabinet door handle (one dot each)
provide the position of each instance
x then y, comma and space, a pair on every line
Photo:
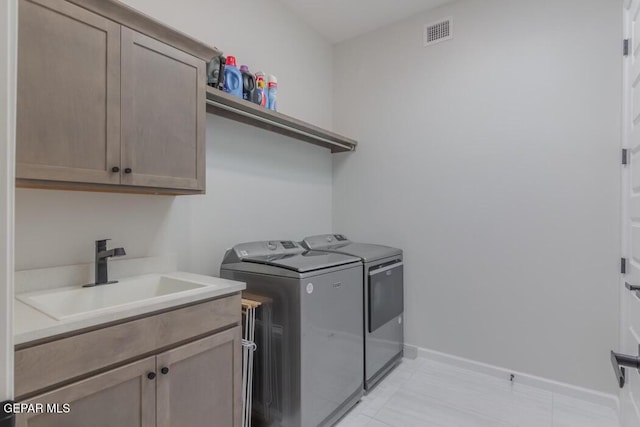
128, 170
164, 370
151, 375
115, 169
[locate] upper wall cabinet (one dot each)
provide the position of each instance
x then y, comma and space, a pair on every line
108, 99
163, 114
68, 119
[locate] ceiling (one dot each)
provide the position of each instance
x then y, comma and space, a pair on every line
339, 20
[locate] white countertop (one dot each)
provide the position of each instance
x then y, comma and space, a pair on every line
31, 324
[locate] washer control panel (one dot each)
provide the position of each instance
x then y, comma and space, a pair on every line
288, 244
325, 241
266, 248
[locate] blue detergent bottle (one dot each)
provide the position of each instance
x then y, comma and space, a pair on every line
232, 77
272, 93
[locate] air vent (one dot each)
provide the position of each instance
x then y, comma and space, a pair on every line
438, 32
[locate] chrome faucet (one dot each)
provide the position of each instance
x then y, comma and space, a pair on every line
102, 254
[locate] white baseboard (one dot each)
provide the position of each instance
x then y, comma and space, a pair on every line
586, 394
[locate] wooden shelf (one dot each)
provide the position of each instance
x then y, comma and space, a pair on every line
222, 104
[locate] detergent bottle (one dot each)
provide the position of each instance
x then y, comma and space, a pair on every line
248, 84
272, 93
261, 89
232, 78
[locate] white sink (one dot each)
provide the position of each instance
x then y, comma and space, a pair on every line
65, 303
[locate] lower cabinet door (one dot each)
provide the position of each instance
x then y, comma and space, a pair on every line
123, 397
199, 384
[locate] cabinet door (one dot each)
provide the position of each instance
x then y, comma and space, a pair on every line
123, 397
68, 106
203, 384
163, 114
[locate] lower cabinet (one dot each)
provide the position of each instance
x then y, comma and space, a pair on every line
122, 397
199, 383
195, 385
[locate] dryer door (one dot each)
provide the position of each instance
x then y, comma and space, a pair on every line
386, 293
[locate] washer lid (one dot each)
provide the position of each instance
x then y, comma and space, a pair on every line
340, 244
367, 252
304, 262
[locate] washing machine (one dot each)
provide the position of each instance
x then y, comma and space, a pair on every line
383, 293
309, 358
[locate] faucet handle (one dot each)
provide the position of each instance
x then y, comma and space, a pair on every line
119, 252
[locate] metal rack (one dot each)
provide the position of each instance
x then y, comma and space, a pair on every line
248, 348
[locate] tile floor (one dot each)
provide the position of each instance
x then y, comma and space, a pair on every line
422, 393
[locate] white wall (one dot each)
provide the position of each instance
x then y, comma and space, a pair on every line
8, 38
493, 160
259, 185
